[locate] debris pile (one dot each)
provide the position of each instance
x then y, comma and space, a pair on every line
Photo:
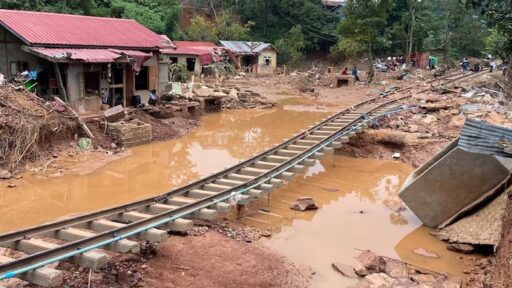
28, 124
373, 270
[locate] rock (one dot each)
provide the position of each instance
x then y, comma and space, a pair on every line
396, 155
363, 283
233, 94
396, 269
429, 119
368, 262
393, 124
379, 280
424, 278
461, 248
4, 174
113, 145
426, 253
403, 283
11, 185
413, 128
266, 233
303, 204
451, 282
344, 270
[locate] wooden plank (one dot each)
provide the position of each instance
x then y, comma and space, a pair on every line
80, 121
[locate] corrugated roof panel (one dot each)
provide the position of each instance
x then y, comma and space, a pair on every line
485, 138
245, 47
86, 55
38, 28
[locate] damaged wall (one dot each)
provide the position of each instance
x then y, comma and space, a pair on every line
10, 52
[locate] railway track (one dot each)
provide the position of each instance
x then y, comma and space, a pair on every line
77, 239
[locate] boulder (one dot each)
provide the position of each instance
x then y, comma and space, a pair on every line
379, 280
403, 283
396, 269
368, 262
413, 128
461, 248
4, 174
424, 278
451, 282
303, 204
344, 270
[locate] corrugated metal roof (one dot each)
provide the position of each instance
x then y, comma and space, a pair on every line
482, 137
38, 28
206, 51
86, 55
245, 47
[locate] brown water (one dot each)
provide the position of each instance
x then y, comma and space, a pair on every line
354, 196
222, 140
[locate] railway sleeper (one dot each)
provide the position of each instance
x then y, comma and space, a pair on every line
304, 142
335, 145
330, 128
73, 234
264, 165
297, 169
276, 159
222, 207
215, 187
317, 155
92, 259
287, 153
44, 276
251, 171
307, 162
285, 175
297, 147
153, 235
315, 137
322, 133
327, 150
276, 182
240, 177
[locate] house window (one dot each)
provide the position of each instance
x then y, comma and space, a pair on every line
142, 79
18, 66
191, 64
173, 60
267, 60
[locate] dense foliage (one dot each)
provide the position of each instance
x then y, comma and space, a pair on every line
452, 28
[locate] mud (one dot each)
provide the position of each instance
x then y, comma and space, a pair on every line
222, 140
359, 209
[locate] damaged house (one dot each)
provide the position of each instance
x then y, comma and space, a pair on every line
84, 60
254, 57
196, 54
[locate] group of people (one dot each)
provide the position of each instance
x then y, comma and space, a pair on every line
477, 67
354, 72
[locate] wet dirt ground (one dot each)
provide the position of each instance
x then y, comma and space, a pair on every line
356, 199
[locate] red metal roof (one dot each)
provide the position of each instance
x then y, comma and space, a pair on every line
86, 55
38, 28
204, 50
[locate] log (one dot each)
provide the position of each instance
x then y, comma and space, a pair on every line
80, 121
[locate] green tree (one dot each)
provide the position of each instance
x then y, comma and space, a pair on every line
364, 28
291, 47
228, 28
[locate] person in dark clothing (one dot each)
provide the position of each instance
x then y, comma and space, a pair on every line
354, 73
153, 98
345, 71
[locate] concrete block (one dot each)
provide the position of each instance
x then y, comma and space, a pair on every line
298, 169
215, 187
252, 171
304, 142
180, 225
317, 155
206, 214
285, 175
276, 182
229, 182
197, 193
308, 162
265, 187
91, 259
44, 276
297, 147
344, 139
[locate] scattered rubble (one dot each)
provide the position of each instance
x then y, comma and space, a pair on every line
303, 204
374, 271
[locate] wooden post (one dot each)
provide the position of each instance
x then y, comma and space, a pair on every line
59, 81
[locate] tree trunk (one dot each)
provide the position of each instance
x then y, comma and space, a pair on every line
371, 73
411, 33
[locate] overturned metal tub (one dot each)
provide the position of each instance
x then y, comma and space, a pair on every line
452, 183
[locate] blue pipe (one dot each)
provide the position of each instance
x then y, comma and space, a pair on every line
12, 274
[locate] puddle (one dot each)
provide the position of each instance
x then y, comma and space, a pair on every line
222, 140
353, 196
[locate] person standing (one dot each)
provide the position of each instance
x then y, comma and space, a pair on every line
492, 65
465, 65
354, 73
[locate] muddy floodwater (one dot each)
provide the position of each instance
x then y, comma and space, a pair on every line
222, 140
357, 199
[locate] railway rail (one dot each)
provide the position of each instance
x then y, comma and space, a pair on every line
77, 239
